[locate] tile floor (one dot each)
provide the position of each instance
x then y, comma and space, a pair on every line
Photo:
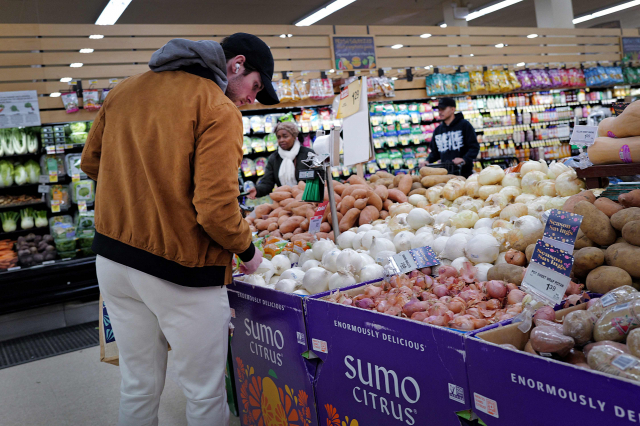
76, 389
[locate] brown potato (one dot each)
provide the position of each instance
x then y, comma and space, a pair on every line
405, 183
432, 171
429, 181
383, 174
618, 220
582, 241
356, 180
529, 251
570, 204
349, 219
607, 206
631, 232
506, 272
595, 224
382, 192
397, 196
586, 260
419, 191
368, 215
416, 185
605, 278
624, 256
630, 199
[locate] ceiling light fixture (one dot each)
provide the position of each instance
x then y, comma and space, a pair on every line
471, 54
532, 36
394, 78
427, 35
397, 46
112, 11
283, 36
500, 45
76, 65
55, 94
322, 13
96, 36
65, 79
443, 25
491, 9
520, 64
607, 11
331, 71
86, 50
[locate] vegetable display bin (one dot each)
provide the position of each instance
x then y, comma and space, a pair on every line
517, 388
274, 381
384, 370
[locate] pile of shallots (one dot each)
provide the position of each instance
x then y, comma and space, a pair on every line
452, 299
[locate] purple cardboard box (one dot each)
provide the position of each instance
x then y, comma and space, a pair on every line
511, 387
381, 370
274, 382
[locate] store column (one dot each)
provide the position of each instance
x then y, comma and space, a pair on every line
554, 13
449, 16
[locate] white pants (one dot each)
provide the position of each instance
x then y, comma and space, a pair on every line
143, 310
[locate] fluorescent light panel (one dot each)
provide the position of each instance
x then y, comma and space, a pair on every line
65, 79
112, 12
323, 13
427, 35
96, 36
491, 9
532, 36
397, 46
520, 64
86, 50
607, 11
443, 25
55, 94
76, 65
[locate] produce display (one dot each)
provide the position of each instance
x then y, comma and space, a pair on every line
17, 142
18, 200
8, 256
35, 249
618, 138
18, 173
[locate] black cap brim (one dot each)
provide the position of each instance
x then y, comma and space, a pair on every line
268, 95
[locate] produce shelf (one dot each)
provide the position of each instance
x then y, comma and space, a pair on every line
595, 176
20, 232
42, 285
22, 206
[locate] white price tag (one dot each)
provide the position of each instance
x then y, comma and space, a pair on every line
544, 282
404, 262
43, 179
15, 268
82, 206
584, 135
113, 81
43, 189
92, 82
314, 225
48, 262
624, 362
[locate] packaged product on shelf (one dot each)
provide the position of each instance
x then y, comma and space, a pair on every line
103, 95
513, 80
246, 145
325, 118
320, 88
285, 93
387, 86
373, 87
449, 84
301, 89
372, 167
492, 81
91, 99
576, 77
403, 129
377, 132
258, 145
395, 158
35, 249
53, 162
83, 191
409, 157
76, 127
631, 75
85, 241
462, 83
383, 160
246, 125
72, 165
564, 77
503, 81
476, 81
556, 79
390, 130
70, 101
271, 142
261, 165
85, 221
307, 141
286, 118
257, 123
248, 167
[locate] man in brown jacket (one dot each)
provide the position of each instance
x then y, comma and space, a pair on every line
165, 150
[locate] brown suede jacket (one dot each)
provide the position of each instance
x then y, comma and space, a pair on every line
165, 150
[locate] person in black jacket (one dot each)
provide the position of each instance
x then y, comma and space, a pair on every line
284, 165
454, 140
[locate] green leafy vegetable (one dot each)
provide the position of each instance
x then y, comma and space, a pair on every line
80, 126
6, 174
33, 171
20, 174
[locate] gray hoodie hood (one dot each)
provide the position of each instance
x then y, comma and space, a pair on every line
180, 53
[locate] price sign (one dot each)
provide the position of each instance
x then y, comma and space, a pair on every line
59, 149
548, 273
68, 146
316, 220
43, 189
55, 206
50, 149
92, 82
350, 99
72, 82
113, 81
75, 178
413, 259
82, 206
44, 179
562, 229
584, 135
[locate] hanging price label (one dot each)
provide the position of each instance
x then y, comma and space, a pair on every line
43, 189
316, 220
350, 99
59, 149
73, 82
584, 135
92, 82
113, 81
305, 127
55, 206
548, 273
51, 149
68, 146
75, 178
82, 206
43, 179
413, 259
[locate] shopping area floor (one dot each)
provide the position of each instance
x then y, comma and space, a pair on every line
76, 389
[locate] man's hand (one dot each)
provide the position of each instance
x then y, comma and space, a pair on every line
251, 266
457, 161
252, 193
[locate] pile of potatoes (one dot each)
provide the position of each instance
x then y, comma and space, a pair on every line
607, 250
412, 184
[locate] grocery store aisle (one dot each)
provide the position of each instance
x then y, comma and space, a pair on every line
76, 389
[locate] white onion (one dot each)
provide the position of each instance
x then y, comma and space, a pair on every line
459, 263
416, 199
266, 269
439, 244
320, 247
464, 219
511, 179
530, 180
307, 255
555, 203
511, 192
472, 189
525, 231
482, 249
371, 272
316, 280
329, 259
514, 211
485, 222
382, 257
421, 240
293, 257
417, 218
525, 198
461, 200
453, 189
402, 241
367, 239
345, 239
568, 183
302, 292
483, 269
489, 212
281, 263
286, 285
381, 244
396, 209
455, 246
502, 223
487, 190
546, 187
274, 279
556, 169
254, 279
480, 231
339, 280
349, 261
270, 286
425, 229
434, 194
357, 241
381, 228
530, 166
311, 263
443, 218
364, 228
498, 199
295, 274
467, 231
366, 259
537, 207
501, 234
491, 175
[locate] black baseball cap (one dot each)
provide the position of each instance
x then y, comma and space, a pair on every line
259, 56
446, 102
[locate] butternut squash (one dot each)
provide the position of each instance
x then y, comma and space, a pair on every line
615, 151
623, 126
